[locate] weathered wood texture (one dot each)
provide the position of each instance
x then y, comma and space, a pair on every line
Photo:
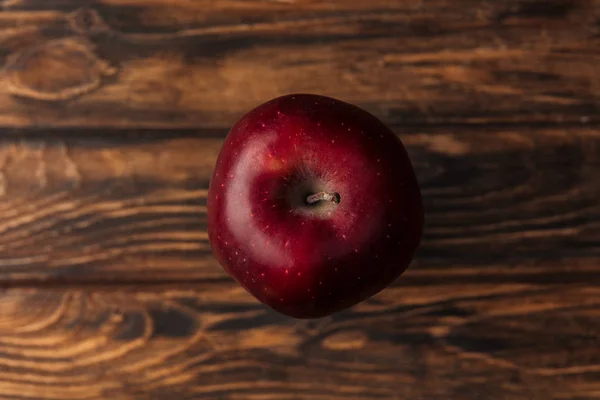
452, 341
512, 206
112, 113
201, 63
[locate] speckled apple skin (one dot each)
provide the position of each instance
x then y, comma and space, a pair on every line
310, 261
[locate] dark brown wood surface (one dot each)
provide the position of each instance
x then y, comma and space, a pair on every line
112, 114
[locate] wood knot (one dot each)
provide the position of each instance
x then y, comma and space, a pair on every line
86, 21
57, 70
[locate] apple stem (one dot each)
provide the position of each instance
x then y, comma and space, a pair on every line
323, 196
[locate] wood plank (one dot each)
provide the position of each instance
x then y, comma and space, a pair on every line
94, 208
201, 64
467, 341
501, 206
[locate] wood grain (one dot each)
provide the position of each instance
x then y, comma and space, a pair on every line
504, 206
201, 64
112, 113
457, 341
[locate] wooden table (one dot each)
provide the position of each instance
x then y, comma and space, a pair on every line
112, 113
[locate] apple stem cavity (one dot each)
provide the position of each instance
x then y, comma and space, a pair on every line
323, 196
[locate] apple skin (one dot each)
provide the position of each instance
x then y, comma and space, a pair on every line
313, 260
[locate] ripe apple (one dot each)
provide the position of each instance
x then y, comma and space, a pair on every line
313, 205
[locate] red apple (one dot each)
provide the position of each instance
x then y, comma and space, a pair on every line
313, 206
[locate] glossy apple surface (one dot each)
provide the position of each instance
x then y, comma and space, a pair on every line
313, 205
